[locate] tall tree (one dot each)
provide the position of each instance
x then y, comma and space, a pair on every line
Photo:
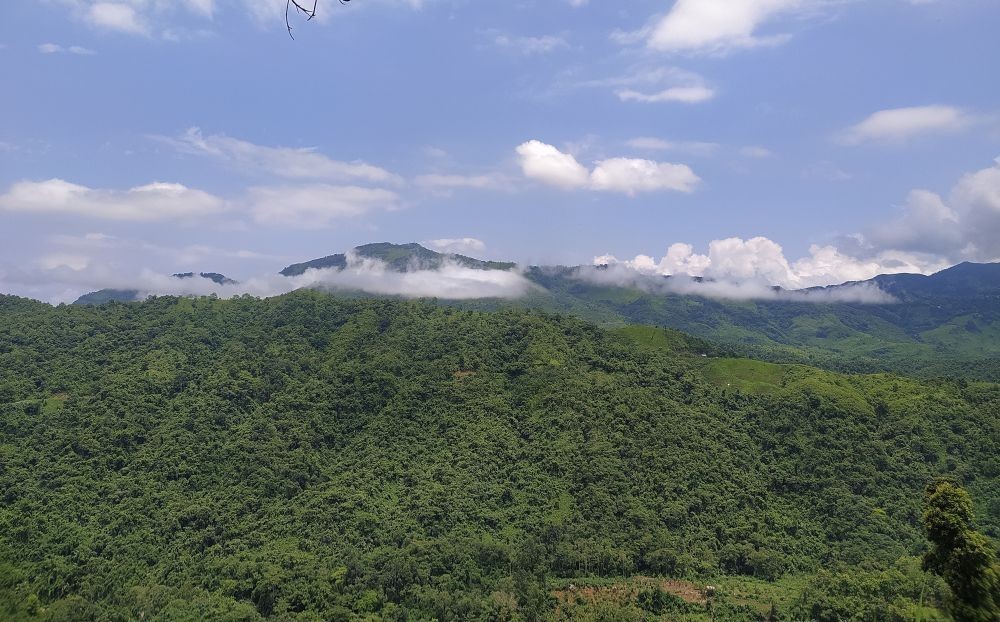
961, 555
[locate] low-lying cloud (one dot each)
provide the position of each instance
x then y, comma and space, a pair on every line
66, 279
683, 285
743, 269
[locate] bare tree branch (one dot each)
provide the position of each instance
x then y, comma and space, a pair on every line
309, 13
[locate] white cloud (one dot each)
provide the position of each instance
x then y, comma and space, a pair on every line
976, 200
760, 263
156, 201
116, 16
530, 46
64, 278
623, 274
653, 83
962, 226
681, 94
630, 176
461, 246
54, 48
316, 205
287, 162
716, 26
928, 234
549, 165
900, 124
925, 224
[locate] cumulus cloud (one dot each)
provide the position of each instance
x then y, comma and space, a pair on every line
315, 205
964, 225
631, 176
899, 124
287, 162
718, 26
761, 263
976, 201
155, 201
461, 246
924, 224
928, 233
551, 166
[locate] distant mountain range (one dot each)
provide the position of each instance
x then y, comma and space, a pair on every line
399, 257
132, 295
937, 324
949, 321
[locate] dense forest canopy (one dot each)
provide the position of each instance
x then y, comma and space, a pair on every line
310, 457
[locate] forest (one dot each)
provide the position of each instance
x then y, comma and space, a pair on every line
314, 457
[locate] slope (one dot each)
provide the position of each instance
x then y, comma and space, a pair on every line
309, 457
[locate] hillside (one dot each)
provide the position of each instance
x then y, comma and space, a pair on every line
310, 457
943, 324
946, 324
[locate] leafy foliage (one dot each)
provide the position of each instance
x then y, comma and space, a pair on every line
309, 457
965, 558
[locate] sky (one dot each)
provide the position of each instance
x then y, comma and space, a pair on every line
787, 142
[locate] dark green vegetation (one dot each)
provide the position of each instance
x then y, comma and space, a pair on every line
309, 457
964, 557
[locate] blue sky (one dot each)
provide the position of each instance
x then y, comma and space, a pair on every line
797, 142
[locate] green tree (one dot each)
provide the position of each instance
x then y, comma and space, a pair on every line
964, 557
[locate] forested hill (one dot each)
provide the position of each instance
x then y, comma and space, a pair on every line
309, 457
946, 324
943, 324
